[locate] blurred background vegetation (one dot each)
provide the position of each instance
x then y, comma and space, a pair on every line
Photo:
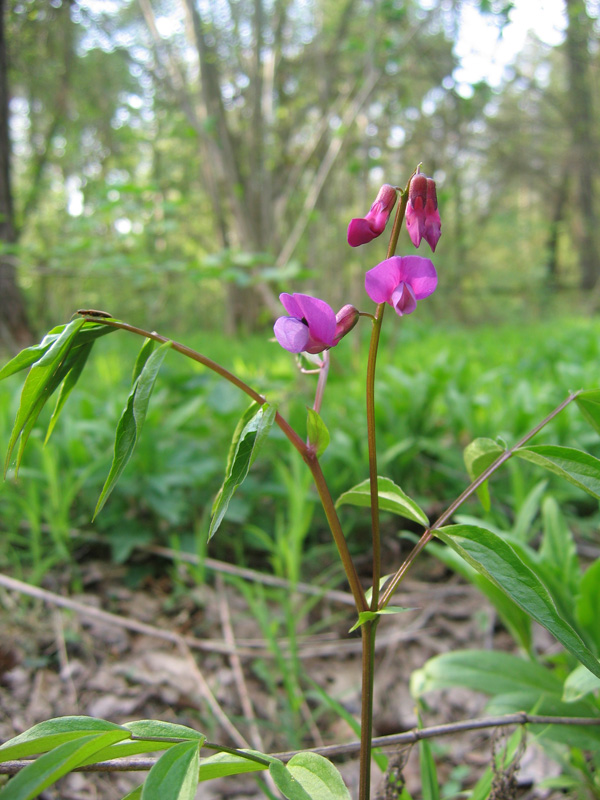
180, 162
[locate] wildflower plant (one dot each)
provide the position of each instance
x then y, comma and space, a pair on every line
522, 586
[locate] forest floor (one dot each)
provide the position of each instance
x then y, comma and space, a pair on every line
212, 669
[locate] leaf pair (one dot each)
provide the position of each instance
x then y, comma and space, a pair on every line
66, 743
58, 359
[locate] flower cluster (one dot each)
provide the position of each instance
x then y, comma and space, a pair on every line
313, 327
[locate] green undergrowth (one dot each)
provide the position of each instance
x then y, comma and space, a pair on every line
438, 388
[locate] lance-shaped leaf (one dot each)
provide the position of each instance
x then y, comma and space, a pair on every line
222, 765
429, 783
175, 774
589, 405
47, 769
78, 360
249, 436
157, 729
369, 616
31, 354
135, 795
318, 435
309, 776
53, 732
517, 622
580, 683
478, 456
391, 498
491, 555
59, 358
486, 671
132, 419
587, 604
43, 378
577, 467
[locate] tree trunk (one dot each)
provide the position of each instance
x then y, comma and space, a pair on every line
14, 327
582, 116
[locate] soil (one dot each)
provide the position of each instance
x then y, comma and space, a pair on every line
56, 662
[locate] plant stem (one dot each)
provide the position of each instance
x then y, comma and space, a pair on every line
471, 489
308, 456
368, 630
336, 530
366, 717
322, 381
371, 435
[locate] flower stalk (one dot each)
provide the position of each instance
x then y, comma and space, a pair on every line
307, 454
369, 628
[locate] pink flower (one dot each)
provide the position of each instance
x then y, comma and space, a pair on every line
422, 215
401, 281
363, 230
312, 326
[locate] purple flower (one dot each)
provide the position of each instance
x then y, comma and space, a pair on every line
422, 215
401, 281
363, 230
312, 326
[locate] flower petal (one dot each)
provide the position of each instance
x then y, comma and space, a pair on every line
319, 316
381, 281
291, 306
433, 226
360, 232
415, 221
291, 333
420, 273
403, 299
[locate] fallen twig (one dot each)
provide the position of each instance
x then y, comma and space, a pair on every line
330, 751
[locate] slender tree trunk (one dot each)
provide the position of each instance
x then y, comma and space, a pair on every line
14, 327
582, 120
559, 206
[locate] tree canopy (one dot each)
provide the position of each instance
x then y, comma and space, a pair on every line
211, 150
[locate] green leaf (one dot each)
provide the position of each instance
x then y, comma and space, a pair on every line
558, 550
587, 605
80, 357
309, 776
135, 795
128, 748
47, 769
528, 510
486, 671
579, 683
517, 622
495, 558
175, 774
31, 354
43, 378
248, 438
222, 765
60, 357
368, 616
478, 456
589, 405
391, 498
286, 783
577, 467
429, 783
318, 435
52, 732
133, 417
155, 728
